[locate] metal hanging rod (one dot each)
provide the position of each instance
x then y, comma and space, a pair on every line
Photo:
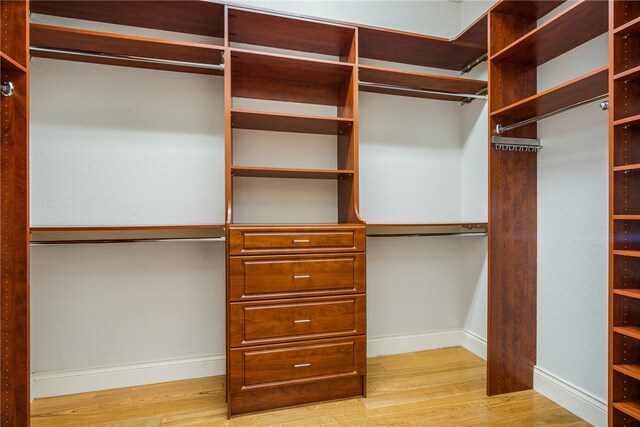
92, 242
460, 234
6, 89
219, 67
502, 129
472, 65
418, 90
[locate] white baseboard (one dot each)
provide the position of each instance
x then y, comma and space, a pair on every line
574, 399
58, 383
102, 378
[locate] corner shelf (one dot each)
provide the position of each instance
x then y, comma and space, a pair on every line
578, 24
87, 46
526, 8
630, 75
630, 292
91, 234
629, 331
628, 253
583, 88
630, 121
298, 123
411, 80
265, 172
452, 229
9, 63
631, 27
627, 168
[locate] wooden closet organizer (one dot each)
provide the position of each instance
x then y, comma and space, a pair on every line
296, 292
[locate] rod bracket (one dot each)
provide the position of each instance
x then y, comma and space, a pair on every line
7, 89
481, 93
473, 64
516, 144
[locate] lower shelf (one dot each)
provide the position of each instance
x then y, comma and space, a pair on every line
632, 371
631, 408
53, 235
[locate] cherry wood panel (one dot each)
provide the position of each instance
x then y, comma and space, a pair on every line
474, 35
625, 272
623, 12
626, 235
286, 78
295, 239
296, 394
268, 322
583, 88
9, 64
115, 44
279, 31
182, 16
14, 37
374, 230
280, 122
266, 172
283, 364
630, 28
432, 82
124, 233
269, 277
578, 24
530, 9
14, 245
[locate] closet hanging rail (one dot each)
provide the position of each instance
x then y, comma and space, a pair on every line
101, 241
218, 67
502, 129
419, 90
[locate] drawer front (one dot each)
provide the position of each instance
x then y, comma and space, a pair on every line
260, 323
274, 366
273, 277
243, 241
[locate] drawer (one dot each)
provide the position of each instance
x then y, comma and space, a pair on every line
258, 367
283, 240
263, 322
306, 275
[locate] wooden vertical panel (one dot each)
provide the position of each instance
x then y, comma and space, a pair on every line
13, 37
511, 334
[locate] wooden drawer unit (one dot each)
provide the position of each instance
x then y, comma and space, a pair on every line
288, 320
272, 366
260, 277
286, 240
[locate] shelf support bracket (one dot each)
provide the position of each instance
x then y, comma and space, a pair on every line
516, 144
482, 93
473, 64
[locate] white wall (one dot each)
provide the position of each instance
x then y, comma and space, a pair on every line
114, 145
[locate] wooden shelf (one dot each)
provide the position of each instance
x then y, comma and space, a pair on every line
578, 24
8, 63
91, 234
530, 9
279, 122
629, 331
620, 252
93, 42
630, 28
580, 89
452, 229
633, 120
631, 74
626, 217
263, 172
632, 371
287, 78
627, 168
632, 293
284, 32
413, 80
191, 17
630, 408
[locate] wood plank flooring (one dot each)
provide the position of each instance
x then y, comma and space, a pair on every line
443, 387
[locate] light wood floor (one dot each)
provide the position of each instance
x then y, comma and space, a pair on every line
429, 388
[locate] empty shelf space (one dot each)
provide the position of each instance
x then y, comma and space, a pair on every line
284, 32
264, 172
388, 230
632, 293
635, 254
419, 85
191, 17
630, 408
410, 48
581, 89
631, 27
530, 9
627, 168
9, 63
279, 122
633, 120
629, 331
116, 49
578, 24
287, 78
82, 234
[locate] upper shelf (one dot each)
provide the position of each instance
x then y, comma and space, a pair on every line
279, 31
89, 46
125, 233
583, 88
280, 122
9, 63
191, 17
287, 78
530, 9
420, 81
452, 229
578, 24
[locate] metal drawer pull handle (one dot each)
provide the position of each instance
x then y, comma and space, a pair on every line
301, 241
301, 365
303, 276
302, 321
